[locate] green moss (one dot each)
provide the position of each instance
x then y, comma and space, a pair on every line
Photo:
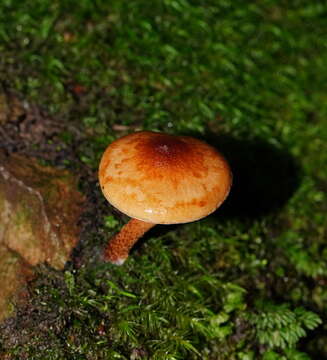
251, 79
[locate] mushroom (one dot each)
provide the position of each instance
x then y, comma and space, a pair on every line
156, 178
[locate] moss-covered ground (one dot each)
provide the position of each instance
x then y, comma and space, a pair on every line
248, 282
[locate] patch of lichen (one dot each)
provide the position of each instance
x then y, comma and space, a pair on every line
250, 79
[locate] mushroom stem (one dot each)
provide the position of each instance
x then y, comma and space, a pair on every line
120, 244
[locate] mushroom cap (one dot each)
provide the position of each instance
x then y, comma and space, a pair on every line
164, 179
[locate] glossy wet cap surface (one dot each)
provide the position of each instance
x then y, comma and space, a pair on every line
164, 179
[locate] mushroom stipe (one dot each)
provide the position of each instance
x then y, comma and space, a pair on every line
157, 178
119, 246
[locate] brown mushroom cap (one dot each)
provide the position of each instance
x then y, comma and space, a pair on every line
164, 179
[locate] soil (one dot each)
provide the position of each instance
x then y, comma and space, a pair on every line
27, 129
